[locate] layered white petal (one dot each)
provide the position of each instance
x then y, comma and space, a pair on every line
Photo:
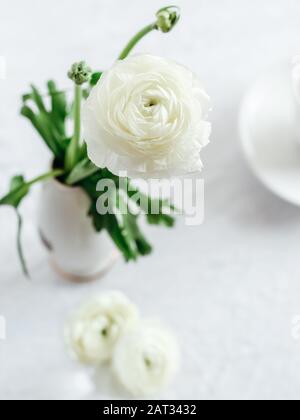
147, 116
146, 359
95, 328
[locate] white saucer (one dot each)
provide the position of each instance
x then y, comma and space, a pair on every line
270, 132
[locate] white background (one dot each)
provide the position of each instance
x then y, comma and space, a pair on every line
229, 288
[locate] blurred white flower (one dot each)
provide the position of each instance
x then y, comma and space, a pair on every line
146, 359
95, 328
147, 116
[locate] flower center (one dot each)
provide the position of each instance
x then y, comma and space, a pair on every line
104, 332
153, 360
149, 103
148, 362
105, 326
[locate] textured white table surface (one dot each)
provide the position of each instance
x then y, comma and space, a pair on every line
230, 287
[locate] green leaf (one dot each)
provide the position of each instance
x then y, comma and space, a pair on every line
37, 98
16, 182
49, 124
95, 78
108, 221
86, 92
73, 152
124, 228
58, 100
98, 222
131, 226
164, 209
161, 219
45, 129
18, 190
119, 238
82, 170
59, 111
130, 230
26, 97
28, 113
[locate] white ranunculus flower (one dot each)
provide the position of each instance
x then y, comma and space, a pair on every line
146, 358
97, 325
147, 116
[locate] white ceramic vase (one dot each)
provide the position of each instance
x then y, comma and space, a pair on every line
76, 250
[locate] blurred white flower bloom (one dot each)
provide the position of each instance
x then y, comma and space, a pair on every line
146, 358
147, 116
95, 328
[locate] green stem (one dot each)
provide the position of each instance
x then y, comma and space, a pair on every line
49, 175
19, 245
22, 190
14, 199
77, 117
132, 43
73, 150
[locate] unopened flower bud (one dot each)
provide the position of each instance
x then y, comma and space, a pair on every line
80, 73
167, 18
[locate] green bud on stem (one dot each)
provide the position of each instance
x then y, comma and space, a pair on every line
80, 73
167, 18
